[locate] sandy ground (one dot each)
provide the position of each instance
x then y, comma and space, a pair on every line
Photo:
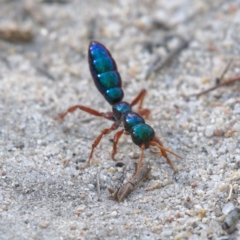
43, 192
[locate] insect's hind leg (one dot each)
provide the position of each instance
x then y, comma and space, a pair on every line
140, 97
98, 139
107, 115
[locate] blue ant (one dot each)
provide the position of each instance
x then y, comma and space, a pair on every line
108, 82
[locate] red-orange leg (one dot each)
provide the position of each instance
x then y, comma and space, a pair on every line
98, 139
140, 161
115, 141
107, 115
142, 111
156, 142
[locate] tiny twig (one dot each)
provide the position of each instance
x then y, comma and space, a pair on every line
156, 66
121, 193
229, 81
230, 193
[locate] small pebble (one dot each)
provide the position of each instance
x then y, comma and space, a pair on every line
200, 192
209, 131
120, 169
235, 176
80, 209
114, 214
223, 187
73, 227
137, 211
187, 205
91, 187
218, 212
82, 195
156, 229
112, 169
222, 149
180, 236
161, 206
218, 132
205, 220
134, 155
227, 208
236, 127
202, 213
235, 187
228, 134
43, 224
166, 233
237, 110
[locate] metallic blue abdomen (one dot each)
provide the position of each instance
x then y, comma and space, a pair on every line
104, 72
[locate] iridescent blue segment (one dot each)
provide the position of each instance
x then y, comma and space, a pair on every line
142, 134
103, 65
114, 95
120, 109
131, 119
109, 80
104, 72
98, 51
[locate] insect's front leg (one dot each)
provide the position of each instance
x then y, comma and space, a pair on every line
107, 115
139, 165
98, 139
156, 142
